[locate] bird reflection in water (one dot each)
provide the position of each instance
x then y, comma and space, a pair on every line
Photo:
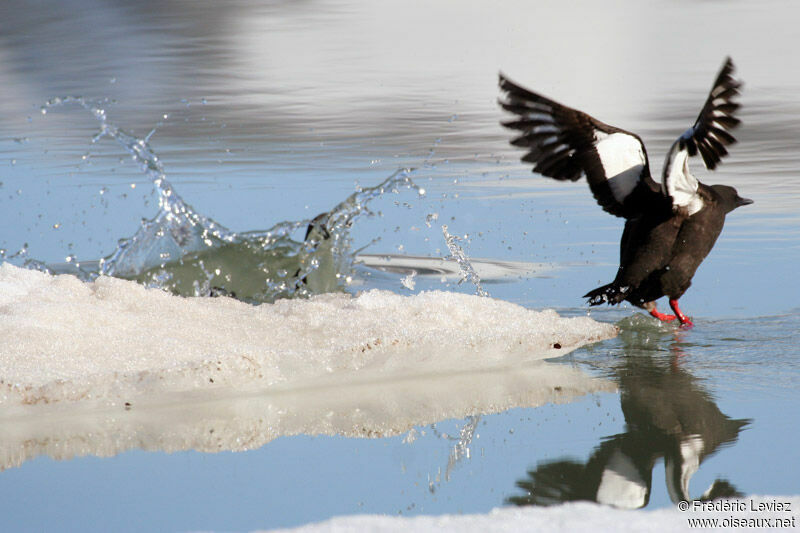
669, 416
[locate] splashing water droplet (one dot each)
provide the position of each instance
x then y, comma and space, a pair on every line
465, 267
181, 250
409, 282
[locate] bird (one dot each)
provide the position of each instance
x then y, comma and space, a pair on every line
671, 226
670, 416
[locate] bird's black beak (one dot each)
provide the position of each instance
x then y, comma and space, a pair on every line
743, 201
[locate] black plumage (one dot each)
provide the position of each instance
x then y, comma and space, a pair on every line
670, 226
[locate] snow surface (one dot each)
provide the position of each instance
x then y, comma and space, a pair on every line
567, 517
99, 368
113, 341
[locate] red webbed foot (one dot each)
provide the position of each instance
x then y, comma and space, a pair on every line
661, 316
686, 322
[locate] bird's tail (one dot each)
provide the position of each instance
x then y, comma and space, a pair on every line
611, 294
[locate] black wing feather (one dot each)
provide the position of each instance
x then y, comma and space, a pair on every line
562, 144
710, 135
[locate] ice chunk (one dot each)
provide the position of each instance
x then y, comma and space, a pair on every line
112, 340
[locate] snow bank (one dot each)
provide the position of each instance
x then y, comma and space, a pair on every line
114, 341
99, 368
579, 517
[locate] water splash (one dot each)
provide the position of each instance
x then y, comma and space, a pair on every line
467, 271
409, 282
431, 217
187, 253
461, 450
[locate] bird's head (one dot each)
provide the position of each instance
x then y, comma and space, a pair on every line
729, 197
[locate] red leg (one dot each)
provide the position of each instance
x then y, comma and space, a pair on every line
685, 320
661, 316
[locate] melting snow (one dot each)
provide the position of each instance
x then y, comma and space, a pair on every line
68, 340
375, 364
575, 517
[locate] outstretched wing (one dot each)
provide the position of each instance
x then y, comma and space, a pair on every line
710, 133
709, 136
564, 144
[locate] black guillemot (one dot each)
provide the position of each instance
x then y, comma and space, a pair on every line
670, 227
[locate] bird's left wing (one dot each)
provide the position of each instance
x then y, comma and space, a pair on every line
709, 136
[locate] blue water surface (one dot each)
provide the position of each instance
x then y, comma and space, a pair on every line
270, 112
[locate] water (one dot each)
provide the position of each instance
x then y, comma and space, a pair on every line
259, 116
467, 270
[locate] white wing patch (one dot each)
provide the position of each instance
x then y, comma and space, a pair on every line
691, 449
678, 183
623, 159
621, 485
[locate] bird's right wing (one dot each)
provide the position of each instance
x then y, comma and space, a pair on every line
564, 144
